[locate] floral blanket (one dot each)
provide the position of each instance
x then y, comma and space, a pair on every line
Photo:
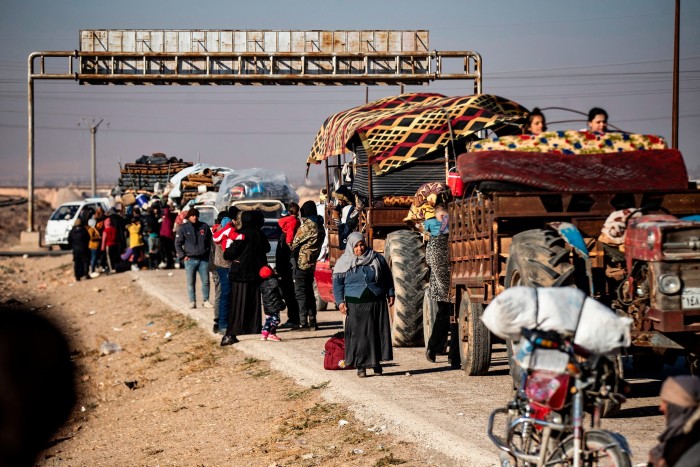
571, 142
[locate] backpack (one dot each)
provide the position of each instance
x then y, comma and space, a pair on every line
334, 358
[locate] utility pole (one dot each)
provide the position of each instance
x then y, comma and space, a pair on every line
676, 47
93, 149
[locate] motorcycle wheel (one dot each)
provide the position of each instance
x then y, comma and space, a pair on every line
600, 449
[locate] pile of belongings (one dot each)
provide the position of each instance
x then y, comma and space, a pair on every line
427, 197
255, 183
567, 310
196, 180
197, 183
147, 171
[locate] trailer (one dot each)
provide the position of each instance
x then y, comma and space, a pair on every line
536, 218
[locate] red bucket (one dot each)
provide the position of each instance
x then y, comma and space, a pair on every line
454, 181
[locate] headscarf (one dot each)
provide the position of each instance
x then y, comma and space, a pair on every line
349, 260
247, 220
308, 210
233, 212
682, 396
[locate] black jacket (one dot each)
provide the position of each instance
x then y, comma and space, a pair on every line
247, 253
79, 239
271, 295
193, 240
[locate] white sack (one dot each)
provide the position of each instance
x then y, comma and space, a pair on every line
599, 330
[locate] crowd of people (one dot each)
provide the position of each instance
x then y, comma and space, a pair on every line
115, 241
233, 253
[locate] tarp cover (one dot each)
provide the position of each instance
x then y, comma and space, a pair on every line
655, 170
255, 183
401, 129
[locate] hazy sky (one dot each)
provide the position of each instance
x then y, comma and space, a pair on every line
547, 53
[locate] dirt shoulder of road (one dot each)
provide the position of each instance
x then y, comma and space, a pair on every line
172, 395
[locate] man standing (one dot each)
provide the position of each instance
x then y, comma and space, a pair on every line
193, 243
305, 250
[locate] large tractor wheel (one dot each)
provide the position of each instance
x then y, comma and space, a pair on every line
474, 338
321, 304
406, 257
537, 258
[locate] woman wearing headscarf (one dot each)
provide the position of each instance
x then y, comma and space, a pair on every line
679, 444
247, 251
363, 286
79, 241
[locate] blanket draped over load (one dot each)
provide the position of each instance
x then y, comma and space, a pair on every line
401, 129
574, 162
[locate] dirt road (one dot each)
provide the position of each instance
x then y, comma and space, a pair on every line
416, 400
191, 402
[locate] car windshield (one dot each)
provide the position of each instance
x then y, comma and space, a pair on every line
64, 213
272, 231
208, 216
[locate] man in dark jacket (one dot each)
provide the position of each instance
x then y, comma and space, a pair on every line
305, 250
193, 243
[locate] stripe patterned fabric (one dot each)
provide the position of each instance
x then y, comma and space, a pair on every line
401, 129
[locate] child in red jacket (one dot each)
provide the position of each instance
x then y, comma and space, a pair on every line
289, 223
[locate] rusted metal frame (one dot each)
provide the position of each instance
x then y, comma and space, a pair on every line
368, 58
232, 55
678, 202
416, 79
396, 77
30, 143
370, 201
472, 263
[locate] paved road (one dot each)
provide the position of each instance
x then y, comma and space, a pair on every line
440, 408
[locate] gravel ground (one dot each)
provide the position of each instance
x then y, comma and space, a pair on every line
441, 409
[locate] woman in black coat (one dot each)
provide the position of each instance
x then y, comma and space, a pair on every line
247, 252
79, 240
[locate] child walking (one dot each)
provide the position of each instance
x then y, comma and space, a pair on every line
272, 303
94, 245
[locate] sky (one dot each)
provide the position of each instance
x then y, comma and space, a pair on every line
546, 53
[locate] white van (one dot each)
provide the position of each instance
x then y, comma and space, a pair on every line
63, 218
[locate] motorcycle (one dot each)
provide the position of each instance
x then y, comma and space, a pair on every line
545, 421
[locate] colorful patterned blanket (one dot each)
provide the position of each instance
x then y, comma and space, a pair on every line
571, 142
629, 171
400, 129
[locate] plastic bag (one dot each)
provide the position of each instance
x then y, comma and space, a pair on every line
598, 329
255, 184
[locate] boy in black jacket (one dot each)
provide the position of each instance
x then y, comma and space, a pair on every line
273, 303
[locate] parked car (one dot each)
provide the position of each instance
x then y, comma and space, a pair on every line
63, 218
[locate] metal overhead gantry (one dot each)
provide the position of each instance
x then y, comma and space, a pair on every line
230, 57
